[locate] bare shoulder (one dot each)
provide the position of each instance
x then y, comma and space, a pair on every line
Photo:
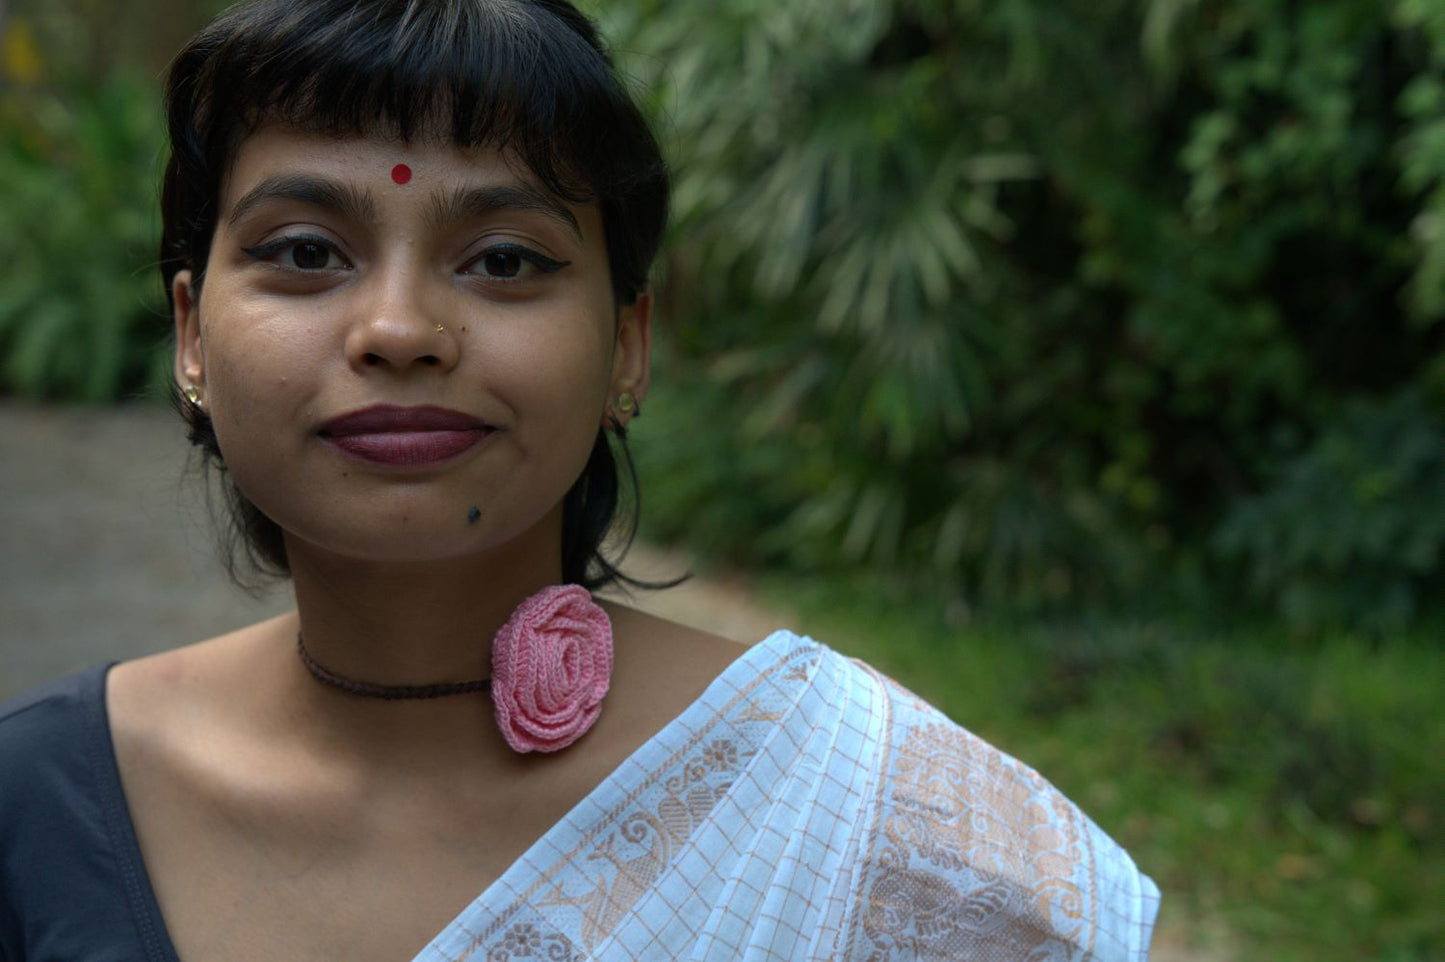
664, 665
680, 648
183, 685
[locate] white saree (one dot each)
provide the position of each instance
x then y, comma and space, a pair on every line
807, 808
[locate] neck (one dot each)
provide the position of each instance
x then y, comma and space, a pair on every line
414, 623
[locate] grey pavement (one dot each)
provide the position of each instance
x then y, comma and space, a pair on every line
106, 552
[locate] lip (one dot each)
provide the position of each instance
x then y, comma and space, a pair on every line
405, 436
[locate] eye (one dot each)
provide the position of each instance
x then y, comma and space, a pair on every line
310, 256
501, 263
306, 254
512, 262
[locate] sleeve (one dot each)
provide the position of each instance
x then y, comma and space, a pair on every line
72, 886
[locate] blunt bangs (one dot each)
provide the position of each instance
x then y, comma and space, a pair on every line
531, 78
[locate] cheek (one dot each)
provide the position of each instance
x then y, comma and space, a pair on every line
249, 338
254, 379
560, 368
555, 381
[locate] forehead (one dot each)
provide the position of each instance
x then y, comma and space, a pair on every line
378, 176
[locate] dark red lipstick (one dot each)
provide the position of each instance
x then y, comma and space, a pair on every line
405, 436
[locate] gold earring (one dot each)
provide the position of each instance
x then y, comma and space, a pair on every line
441, 329
193, 394
626, 403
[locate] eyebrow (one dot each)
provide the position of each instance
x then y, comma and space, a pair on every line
466, 203
308, 189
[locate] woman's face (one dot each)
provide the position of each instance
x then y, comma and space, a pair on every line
406, 350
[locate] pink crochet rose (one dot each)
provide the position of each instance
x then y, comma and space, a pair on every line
551, 665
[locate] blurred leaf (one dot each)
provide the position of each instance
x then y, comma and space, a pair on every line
81, 312
1037, 302
21, 57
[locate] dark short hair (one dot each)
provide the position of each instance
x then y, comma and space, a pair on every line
528, 76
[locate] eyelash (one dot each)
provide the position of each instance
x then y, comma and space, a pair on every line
541, 262
267, 251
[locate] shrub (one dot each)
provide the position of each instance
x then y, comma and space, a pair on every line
81, 310
1044, 306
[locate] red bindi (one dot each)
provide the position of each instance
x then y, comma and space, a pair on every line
401, 173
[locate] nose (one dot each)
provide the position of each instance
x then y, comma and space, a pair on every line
403, 323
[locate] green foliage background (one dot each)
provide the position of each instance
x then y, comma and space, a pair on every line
79, 311
1039, 304
1097, 305
82, 316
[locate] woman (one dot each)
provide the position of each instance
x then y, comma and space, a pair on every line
406, 244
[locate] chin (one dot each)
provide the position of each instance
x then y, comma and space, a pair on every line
413, 539
413, 544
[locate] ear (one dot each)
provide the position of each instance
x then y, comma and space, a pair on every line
190, 365
632, 353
